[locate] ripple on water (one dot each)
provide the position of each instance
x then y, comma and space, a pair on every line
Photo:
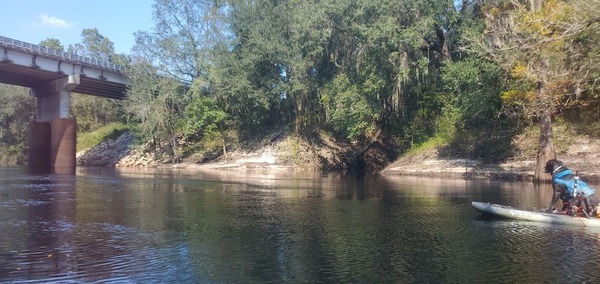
95, 252
537, 248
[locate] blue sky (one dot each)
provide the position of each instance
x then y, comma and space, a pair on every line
36, 20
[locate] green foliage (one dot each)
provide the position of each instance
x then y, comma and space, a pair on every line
552, 50
429, 144
482, 130
475, 86
584, 120
252, 76
52, 43
94, 45
203, 115
184, 34
448, 123
487, 145
353, 66
420, 70
94, 112
17, 112
87, 140
244, 97
156, 104
350, 111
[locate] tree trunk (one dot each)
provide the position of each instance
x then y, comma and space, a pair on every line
298, 118
464, 6
442, 38
536, 5
546, 147
224, 146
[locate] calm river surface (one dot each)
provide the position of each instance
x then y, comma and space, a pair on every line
179, 226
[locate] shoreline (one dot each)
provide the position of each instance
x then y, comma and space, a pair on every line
430, 168
584, 158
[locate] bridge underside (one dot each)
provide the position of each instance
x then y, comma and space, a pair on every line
90, 82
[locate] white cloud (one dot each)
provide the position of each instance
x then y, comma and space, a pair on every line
54, 22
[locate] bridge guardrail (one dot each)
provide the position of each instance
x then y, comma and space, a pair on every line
36, 49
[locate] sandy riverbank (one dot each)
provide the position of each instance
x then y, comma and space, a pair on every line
582, 157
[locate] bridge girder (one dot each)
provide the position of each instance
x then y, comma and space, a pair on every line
31, 70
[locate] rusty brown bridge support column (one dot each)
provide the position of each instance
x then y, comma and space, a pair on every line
52, 138
52, 146
63, 139
39, 148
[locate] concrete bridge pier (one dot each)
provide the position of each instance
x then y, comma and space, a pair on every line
52, 138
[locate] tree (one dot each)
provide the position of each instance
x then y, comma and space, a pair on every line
18, 110
307, 61
392, 53
167, 60
94, 45
182, 37
251, 74
204, 117
93, 112
156, 103
52, 43
549, 49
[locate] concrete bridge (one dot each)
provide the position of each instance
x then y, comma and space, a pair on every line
52, 76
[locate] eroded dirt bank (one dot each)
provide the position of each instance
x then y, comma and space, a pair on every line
277, 156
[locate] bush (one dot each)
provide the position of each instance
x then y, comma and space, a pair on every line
90, 139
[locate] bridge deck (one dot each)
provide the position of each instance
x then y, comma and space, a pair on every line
29, 65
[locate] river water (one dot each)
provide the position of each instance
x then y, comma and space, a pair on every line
179, 226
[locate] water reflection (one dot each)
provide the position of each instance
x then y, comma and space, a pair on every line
135, 225
48, 213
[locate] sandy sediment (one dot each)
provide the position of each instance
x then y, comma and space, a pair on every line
118, 153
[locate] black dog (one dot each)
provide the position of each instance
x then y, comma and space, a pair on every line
564, 184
